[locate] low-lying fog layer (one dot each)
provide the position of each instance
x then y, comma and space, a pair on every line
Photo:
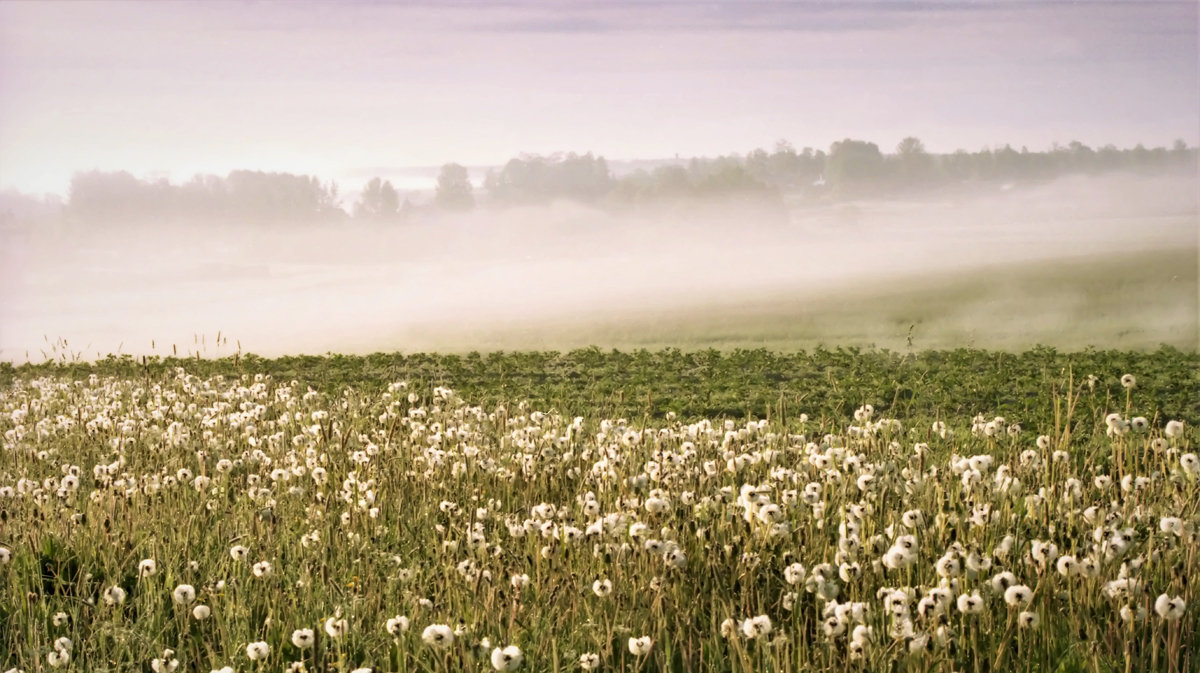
361, 287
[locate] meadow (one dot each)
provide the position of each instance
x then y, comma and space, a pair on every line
821, 510
1133, 299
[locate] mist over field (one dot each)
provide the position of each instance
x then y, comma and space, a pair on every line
557, 274
269, 174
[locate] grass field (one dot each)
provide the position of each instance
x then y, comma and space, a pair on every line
838, 509
1136, 300
881, 469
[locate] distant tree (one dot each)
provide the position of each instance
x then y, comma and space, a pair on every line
670, 182
19, 208
99, 194
454, 190
582, 177
853, 165
379, 201
533, 179
728, 176
913, 165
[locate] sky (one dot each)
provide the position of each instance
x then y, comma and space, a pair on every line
354, 89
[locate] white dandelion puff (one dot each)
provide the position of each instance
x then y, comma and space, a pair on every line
507, 658
1168, 608
336, 628
184, 594
397, 625
303, 638
640, 646
438, 636
258, 651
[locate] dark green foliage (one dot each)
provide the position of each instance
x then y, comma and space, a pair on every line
739, 383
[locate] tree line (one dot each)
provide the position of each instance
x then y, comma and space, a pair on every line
850, 169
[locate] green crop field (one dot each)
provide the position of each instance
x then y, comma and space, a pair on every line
960, 510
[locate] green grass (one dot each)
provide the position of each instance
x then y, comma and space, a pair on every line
679, 426
711, 383
397, 456
1138, 300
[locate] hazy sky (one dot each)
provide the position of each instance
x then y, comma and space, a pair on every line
347, 90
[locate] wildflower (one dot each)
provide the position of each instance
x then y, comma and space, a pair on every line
397, 625
833, 627
1170, 608
849, 571
897, 557
507, 659
947, 566
640, 646
519, 581
1171, 524
336, 628
147, 568
1043, 553
602, 588
589, 661
756, 626
201, 612
60, 618
5, 555
166, 664
1129, 614
657, 505
184, 594
438, 636
1028, 620
1190, 464
258, 651
58, 658
970, 604
913, 518
1018, 595
1128, 381
262, 569
238, 552
114, 595
303, 638
794, 573
939, 429
1173, 429
1067, 565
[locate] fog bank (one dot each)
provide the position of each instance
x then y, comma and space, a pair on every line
356, 287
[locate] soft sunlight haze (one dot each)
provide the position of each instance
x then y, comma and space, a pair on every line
336, 90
